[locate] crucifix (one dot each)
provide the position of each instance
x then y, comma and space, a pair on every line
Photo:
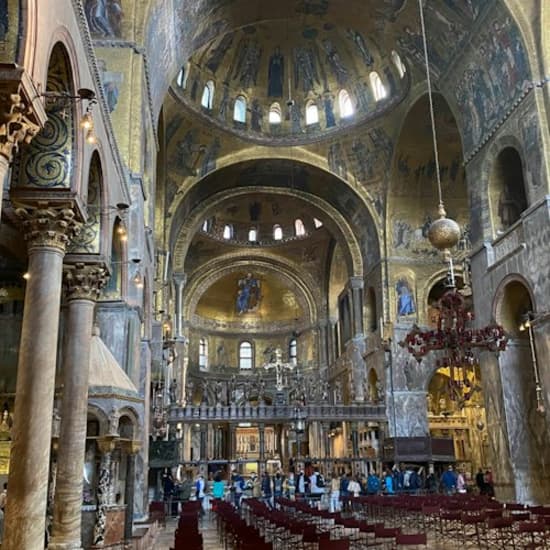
276, 363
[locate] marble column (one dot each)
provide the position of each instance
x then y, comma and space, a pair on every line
132, 449
106, 447
48, 230
83, 284
326, 439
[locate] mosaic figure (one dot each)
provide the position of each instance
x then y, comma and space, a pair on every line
305, 69
357, 38
104, 17
246, 70
335, 62
275, 77
405, 300
248, 295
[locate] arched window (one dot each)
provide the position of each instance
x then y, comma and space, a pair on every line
345, 104
277, 233
246, 355
228, 232
253, 235
399, 65
378, 89
299, 228
180, 79
239, 111
317, 223
275, 116
312, 113
203, 354
205, 226
293, 351
207, 100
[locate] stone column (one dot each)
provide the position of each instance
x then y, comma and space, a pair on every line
204, 442
323, 355
354, 440
83, 284
261, 434
232, 441
356, 285
19, 123
179, 280
326, 439
47, 230
187, 442
106, 446
132, 449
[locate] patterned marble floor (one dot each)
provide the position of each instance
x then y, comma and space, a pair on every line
211, 539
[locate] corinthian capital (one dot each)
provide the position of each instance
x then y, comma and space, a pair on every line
47, 225
83, 281
17, 123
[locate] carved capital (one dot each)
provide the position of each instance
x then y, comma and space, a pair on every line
106, 444
47, 225
84, 281
17, 123
131, 447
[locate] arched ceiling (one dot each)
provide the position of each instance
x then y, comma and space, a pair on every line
189, 28
312, 192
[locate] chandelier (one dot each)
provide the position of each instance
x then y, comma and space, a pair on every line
457, 341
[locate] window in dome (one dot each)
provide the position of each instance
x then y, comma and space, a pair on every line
378, 89
312, 113
246, 355
203, 354
205, 226
207, 100
317, 223
400, 66
181, 79
293, 351
239, 111
253, 235
275, 116
277, 233
299, 228
345, 104
228, 232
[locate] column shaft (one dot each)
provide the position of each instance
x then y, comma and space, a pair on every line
25, 521
72, 440
129, 496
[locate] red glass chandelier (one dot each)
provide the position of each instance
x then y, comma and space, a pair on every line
457, 341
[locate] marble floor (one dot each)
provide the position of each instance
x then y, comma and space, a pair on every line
211, 538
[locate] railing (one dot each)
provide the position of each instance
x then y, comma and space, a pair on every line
276, 413
509, 243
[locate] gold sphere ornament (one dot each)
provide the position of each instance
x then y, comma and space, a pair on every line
444, 233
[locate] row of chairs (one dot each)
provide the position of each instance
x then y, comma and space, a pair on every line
187, 535
296, 525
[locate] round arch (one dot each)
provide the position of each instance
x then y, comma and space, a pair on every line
230, 263
205, 208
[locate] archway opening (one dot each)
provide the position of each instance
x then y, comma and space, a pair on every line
507, 190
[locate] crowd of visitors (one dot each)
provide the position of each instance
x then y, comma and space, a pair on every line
310, 484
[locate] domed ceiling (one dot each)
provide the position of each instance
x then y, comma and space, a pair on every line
281, 67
